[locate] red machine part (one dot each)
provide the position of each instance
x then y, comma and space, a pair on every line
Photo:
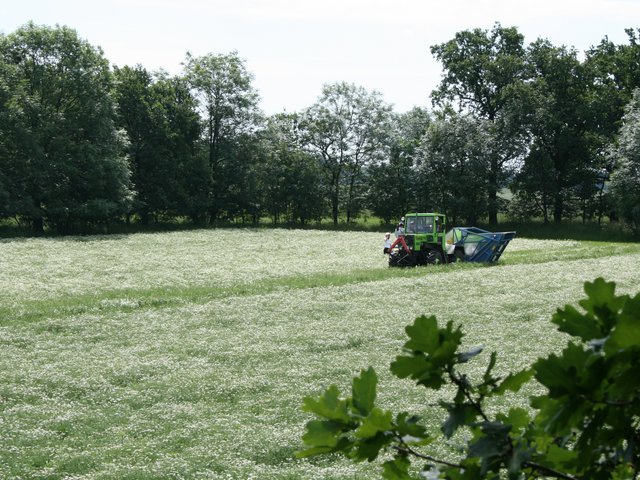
400, 241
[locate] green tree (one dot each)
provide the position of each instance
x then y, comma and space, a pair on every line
392, 183
176, 110
625, 181
585, 426
451, 165
159, 115
346, 128
66, 163
239, 197
10, 189
559, 166
229, 108
615, 71
290, 178
483, 73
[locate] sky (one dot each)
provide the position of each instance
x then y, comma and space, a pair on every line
294, 47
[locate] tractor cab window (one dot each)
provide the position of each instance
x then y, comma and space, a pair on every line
422, 225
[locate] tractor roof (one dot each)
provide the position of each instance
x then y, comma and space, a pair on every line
424, 215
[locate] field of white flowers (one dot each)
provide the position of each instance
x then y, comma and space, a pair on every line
45, 268
104, 384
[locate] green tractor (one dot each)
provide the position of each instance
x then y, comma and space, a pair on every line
425, 242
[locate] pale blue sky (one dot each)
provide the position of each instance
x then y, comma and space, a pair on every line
293, 47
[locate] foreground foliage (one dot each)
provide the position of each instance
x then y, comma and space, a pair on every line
586, 426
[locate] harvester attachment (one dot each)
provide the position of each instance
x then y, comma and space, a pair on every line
472, 244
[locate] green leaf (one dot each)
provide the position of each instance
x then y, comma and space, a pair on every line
577, 324
364, 391
450, 339
626, 333
344, 445
310, 452
423, 335
561, 375
599, 292
517, 417
487, 373
459, 415
369, 448
514, 381
419, 368
520, 454
602, 303
494, 440
410, 431
559, 417
558, 457
601, 306
328, 405
322, 433
397, 469
486, 446
414, 366
377, 421
623, 472
470, 471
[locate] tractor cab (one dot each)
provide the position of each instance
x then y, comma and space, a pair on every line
423, 241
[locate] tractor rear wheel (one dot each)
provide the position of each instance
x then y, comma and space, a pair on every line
433, 257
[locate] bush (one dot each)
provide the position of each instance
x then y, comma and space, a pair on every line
587, 426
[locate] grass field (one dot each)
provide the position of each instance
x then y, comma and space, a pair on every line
187, 354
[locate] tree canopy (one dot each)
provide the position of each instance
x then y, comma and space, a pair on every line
63, 156
625, 182
533, 131
483, 71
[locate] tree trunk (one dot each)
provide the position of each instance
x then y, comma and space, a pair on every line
38, 225
558, 207
334, 207
350, 198
334, 197
600, 202
492, 190
144, 217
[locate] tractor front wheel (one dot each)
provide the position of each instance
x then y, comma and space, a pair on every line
401, 259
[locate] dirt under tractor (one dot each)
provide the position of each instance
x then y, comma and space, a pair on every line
424, 242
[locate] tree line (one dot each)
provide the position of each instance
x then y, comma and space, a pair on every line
527, 130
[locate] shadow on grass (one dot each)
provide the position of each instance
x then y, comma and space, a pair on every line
613, 232
570, 231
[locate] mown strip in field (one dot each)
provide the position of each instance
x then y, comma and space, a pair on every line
127, 300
